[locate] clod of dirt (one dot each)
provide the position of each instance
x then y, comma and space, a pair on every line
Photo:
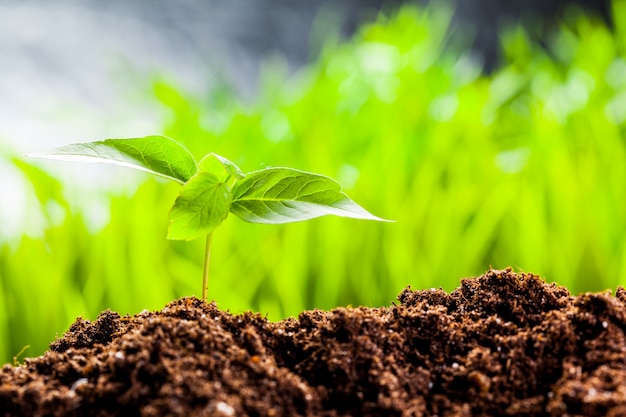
500, 344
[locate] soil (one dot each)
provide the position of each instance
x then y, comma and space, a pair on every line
501, 344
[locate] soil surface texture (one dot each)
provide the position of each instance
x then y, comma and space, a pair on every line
500, 344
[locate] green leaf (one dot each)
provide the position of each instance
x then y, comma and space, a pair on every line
203, 204
158, 155
219, 166
284, 195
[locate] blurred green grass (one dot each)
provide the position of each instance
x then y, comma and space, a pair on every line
524, 167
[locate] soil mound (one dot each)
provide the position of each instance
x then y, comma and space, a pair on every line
500, 344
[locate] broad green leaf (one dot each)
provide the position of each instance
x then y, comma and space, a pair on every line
283, 195
219, 166
158, 155
203, 204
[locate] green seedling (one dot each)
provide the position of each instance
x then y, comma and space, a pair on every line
215, 187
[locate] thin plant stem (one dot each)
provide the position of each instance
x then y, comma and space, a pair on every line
207, 262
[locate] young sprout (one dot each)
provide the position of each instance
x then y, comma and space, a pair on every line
215, 187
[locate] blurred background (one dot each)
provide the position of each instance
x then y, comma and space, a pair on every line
492, 132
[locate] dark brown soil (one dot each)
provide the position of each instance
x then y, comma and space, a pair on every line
501, 344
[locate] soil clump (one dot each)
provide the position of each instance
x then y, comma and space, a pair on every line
500, 344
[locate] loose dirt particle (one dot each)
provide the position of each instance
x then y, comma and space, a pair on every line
500, 344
